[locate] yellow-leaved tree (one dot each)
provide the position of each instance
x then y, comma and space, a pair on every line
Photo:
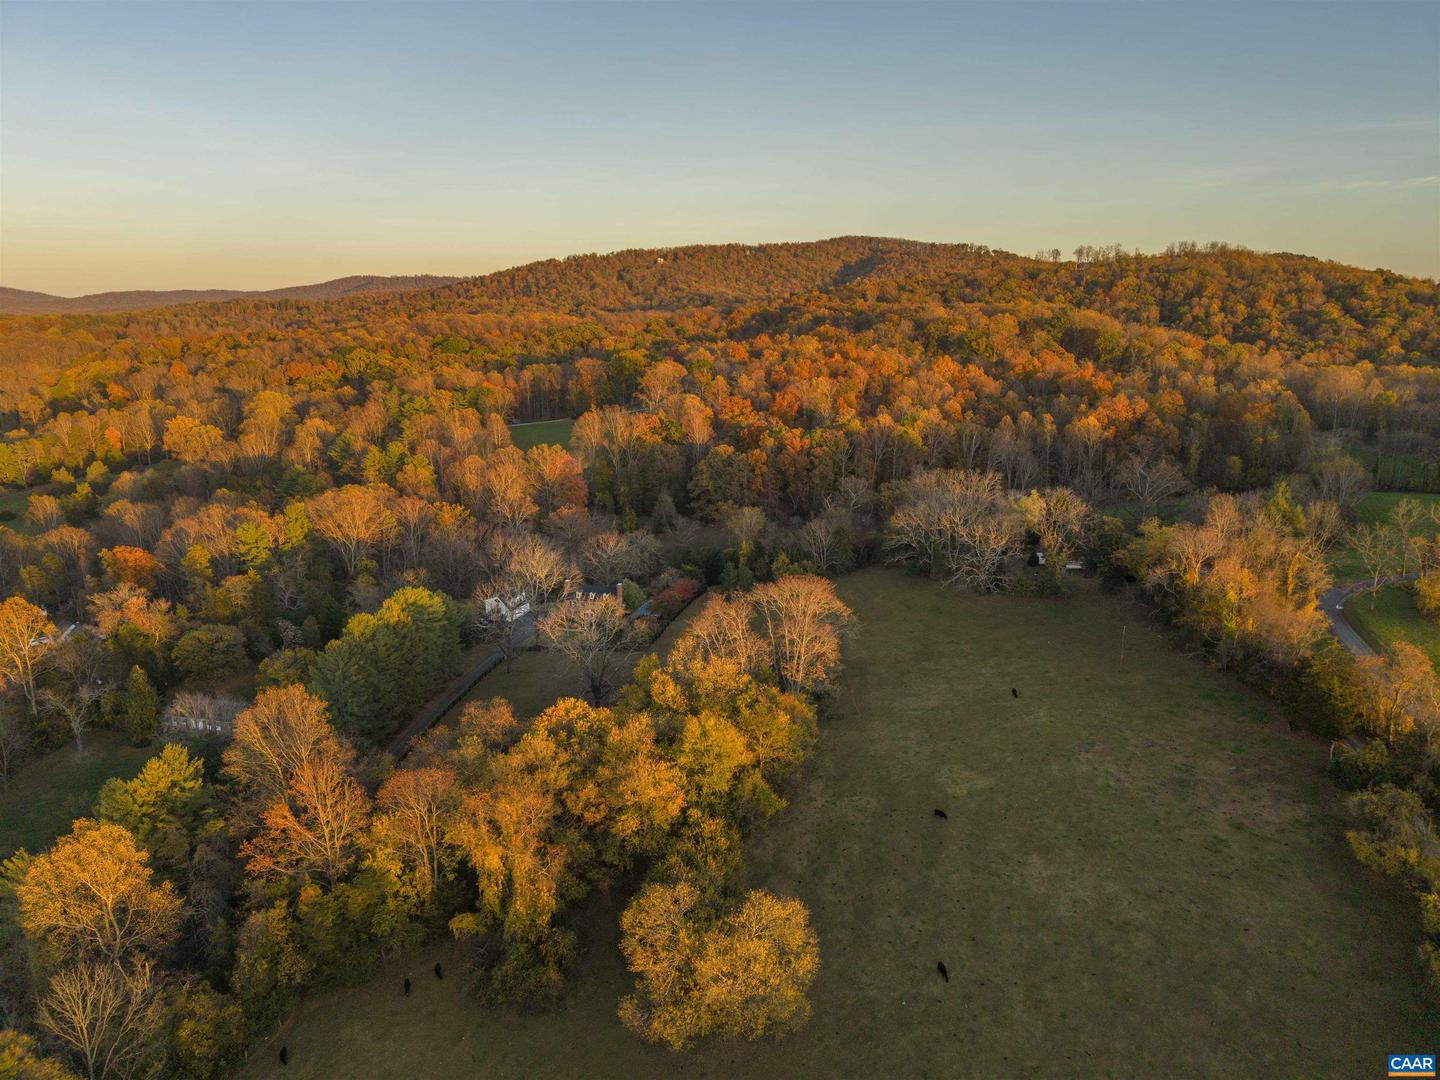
744, 972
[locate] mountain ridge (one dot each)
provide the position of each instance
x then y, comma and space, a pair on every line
30, 302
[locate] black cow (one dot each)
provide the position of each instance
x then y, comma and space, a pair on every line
439, 972
944, 971
1014, 692
942, 814
284, 1055
407, 985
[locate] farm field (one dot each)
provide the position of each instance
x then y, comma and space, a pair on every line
1394, 618
1143, 873
554, 432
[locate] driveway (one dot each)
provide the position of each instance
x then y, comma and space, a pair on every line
1333, 605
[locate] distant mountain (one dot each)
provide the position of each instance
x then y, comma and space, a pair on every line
24, 302
719, 275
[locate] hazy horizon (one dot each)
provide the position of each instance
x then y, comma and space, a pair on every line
170, 147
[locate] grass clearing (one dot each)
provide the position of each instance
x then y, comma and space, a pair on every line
538, 677
1373, 509
1143, 873
542, 432
49, 792
1394, 618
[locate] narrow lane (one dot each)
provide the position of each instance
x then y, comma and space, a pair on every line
1333, 605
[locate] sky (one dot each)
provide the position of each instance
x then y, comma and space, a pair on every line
249, 145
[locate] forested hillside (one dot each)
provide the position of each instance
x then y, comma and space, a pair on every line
291, 522
804, 357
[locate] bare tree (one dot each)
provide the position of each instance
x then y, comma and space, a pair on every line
724, 630
110, 1015
413, 517
1379, 549
79, 665
538, 570
1151, 480
745, 524
533, 574
826, 541
977, 561
801, 618
1324, 523
1406, 516
956, 525
610, 557
1340, 478
595, 636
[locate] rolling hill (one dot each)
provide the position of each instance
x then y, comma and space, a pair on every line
25, 302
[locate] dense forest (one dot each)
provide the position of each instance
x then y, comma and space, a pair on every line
287, 519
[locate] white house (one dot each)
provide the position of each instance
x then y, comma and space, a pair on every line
515, 607
46, 639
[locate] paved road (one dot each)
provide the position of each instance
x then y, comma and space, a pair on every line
1333, 605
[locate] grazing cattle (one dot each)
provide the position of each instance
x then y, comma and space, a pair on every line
284, 1055
1293, 726
407, 985
944, 971
942, 814
439, 974
1014, 692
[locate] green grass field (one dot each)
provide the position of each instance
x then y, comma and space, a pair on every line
1394, 618
1374, 508
15, 503
50, 791
1396, 470
555, 432
1143, 873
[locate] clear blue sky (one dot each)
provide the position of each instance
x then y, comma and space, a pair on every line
257, 145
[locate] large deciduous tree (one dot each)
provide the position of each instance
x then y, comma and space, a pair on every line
802, 618
315, 830
285, 729
26, 638
93, 895
407, 830
354, 520
111, 1015
595, 637
744, 973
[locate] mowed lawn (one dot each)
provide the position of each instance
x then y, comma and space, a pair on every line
1143, 874
1393, 618
538, 677
1374, 509
48, 792
541, 432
